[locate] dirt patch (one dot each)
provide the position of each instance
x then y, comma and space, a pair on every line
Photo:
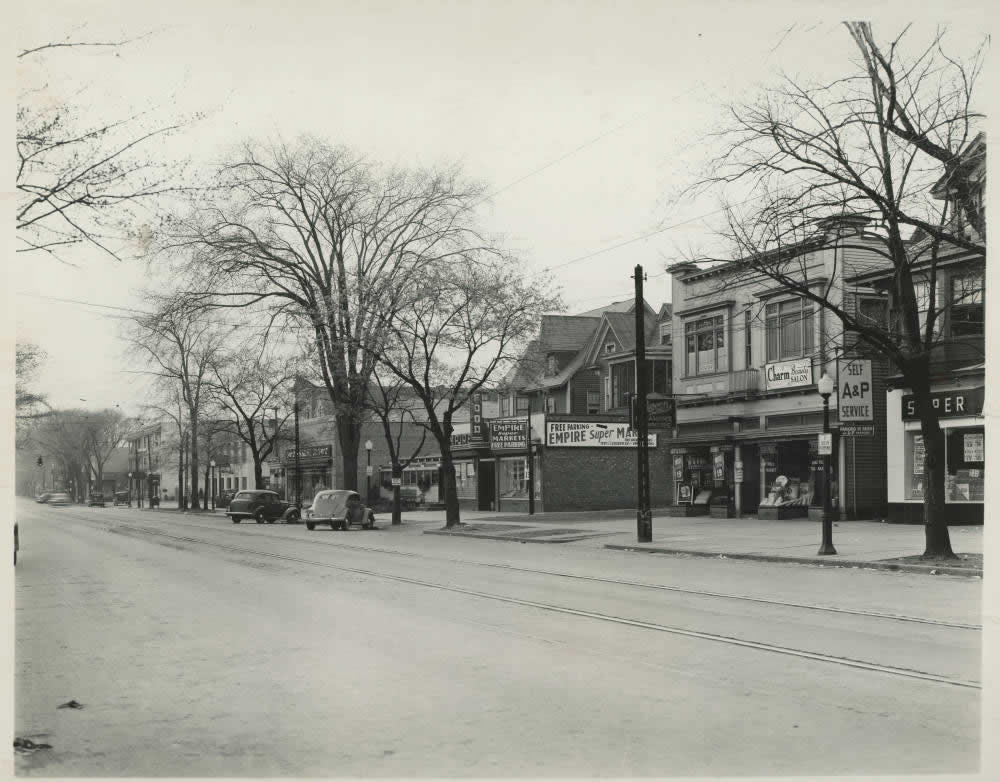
965, 561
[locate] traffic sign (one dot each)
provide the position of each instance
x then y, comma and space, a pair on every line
368, 470
397, 481
825, 444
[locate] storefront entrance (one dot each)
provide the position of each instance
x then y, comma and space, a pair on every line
749, 488
487, 484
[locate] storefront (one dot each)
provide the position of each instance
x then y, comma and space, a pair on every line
315, 463
960, 414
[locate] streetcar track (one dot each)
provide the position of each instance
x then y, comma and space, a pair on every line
620, 620
616, 581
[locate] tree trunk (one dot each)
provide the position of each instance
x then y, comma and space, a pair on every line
451, 513
397, 475
937, 540
258, 472
193, 461
208, 487
349, 435
180, 473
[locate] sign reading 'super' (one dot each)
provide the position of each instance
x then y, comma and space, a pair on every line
578, 434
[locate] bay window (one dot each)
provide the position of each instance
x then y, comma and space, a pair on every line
790, 331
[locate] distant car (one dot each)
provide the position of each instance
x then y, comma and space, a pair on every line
60, 498
95, 500
122, 498
44, 497
261, 506
340, 508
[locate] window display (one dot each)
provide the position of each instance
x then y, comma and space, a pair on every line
964, 465
465, 480
788, 474
513, 478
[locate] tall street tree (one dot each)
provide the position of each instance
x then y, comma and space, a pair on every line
463, 323
332, 241
802, 160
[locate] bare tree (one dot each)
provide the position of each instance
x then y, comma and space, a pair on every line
395, 410
462, 324
29, 405
179, 341
333, 241
81, 179
867, 149
246, 384
104, 432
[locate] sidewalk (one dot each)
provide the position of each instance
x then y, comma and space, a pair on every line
863, 544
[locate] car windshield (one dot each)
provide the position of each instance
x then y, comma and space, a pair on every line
245, 495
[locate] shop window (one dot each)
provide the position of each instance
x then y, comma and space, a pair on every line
593, 403
967, 313
705, 346
622, 383
465, 480
513, 478
964, 465
788, 474
789, 329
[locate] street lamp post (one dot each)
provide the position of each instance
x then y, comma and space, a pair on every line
298, 473
531, 463
644, 515
368, 471
130, 490
211, 487
825, 388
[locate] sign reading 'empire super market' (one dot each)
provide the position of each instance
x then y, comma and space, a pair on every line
575, 434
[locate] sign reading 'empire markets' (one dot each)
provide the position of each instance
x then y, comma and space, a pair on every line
593, 435
508, 433
788, 374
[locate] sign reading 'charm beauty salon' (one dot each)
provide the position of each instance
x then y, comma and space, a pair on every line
788, 374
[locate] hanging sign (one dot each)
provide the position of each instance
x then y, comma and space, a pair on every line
825, 444
855, 396
478, 430
738, 472
509, 434
397, 481
593, 435
720, 466
368, 470
788, 374
973, 442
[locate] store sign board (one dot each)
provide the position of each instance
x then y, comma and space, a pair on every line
857, 430
855, 395
508, 434
310, 452
573, 434
948, 404
788, 374
826, 444
479, 431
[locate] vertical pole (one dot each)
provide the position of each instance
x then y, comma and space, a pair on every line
826, 547
298, 480
644, 516
531, 465
368, 477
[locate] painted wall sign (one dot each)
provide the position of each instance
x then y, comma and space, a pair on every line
788, 374
309, 452
573, 434
855, 396
948, 404
509, 434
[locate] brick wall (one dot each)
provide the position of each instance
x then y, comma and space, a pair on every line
602, 478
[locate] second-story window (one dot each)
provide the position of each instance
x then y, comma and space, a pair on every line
622, 382
705, 346
550, 404
665, 333
967, 304
789, 329
609, 347
504, 406
748, 338
552, 365
522, 403
593, 403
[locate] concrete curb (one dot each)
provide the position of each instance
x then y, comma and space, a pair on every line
509, 538
213, 514
843, 563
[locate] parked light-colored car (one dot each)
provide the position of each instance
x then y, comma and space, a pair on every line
340, 508
60, 498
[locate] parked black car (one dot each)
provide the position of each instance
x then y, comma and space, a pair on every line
261, 506
96, 499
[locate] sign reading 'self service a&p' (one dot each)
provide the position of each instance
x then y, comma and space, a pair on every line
788, 374
579, 434
855, 397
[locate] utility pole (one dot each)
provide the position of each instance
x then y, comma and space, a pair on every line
298, 481
531, 464
644, 516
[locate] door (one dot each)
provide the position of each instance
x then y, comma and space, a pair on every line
487, 487
750, 488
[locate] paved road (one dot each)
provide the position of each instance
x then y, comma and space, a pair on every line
202, 648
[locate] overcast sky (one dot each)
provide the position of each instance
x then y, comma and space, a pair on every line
583, 118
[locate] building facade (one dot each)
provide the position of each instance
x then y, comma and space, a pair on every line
748, 413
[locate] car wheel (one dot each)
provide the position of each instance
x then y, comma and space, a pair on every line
236, 519
258, 515
310, 525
